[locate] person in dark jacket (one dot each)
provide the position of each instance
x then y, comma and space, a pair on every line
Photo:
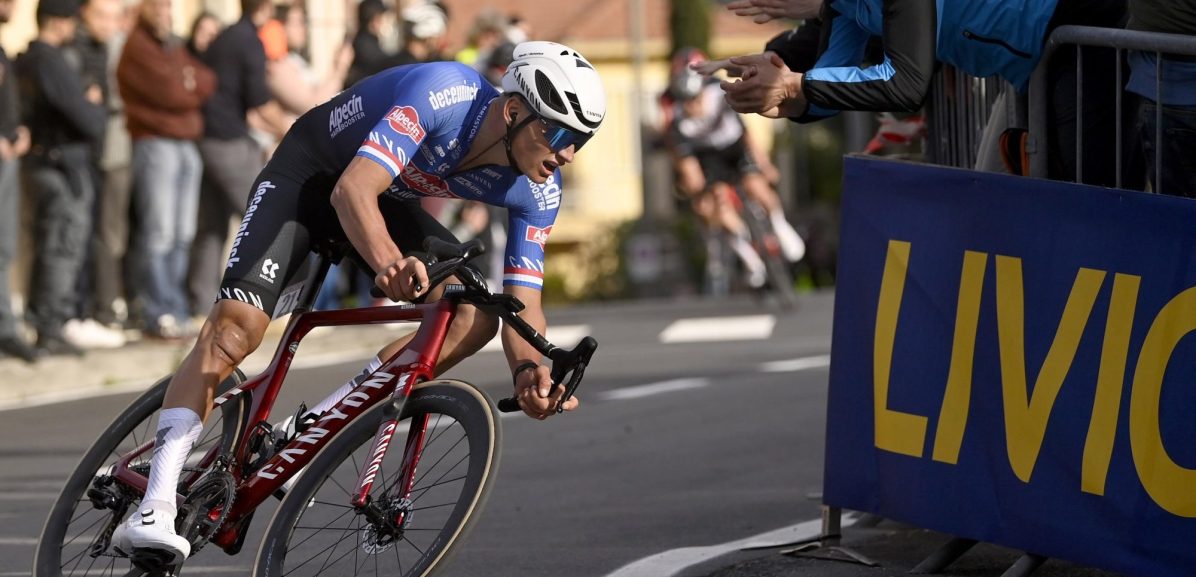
1178, 100
64, 119
979, 37
14, 142
369, 57
164, 88
89, 55
231, 158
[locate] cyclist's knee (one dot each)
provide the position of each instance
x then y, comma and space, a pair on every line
478, 327
233, 331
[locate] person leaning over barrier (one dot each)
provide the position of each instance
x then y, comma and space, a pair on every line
980, 37
1178, 102
355, 168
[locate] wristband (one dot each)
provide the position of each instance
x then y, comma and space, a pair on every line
521, 368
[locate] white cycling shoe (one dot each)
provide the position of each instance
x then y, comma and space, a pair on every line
150, 528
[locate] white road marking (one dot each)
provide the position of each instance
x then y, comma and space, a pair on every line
712, 329
28, 495
674, 561
190, 569
792, 365
17, 542
563, 336
654, 389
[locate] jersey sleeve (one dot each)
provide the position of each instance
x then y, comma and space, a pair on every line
530, 219
405, 126
899, 82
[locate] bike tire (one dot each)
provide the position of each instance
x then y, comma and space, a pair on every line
295, 528
775, 266
58, 553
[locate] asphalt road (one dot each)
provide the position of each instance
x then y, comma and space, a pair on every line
714, 436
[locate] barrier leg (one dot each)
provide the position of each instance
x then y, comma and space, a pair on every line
944, 556
827, 546
1025, 565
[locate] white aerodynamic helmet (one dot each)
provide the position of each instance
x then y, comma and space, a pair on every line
561, 86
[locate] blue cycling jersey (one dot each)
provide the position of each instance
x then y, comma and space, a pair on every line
418, 122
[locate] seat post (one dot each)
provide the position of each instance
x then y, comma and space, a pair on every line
311, 289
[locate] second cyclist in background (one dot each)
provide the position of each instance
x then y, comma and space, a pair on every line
712, 152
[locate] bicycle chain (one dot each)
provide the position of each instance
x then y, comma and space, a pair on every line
190, 524
142, 469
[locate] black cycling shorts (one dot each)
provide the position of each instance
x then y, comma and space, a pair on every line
728, 165
288, 213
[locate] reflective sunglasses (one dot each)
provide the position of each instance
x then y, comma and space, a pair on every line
560, 137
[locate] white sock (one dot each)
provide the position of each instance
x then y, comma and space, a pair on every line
791, 243
331, 400
178, 430
743, 249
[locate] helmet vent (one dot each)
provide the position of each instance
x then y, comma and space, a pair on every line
583, 64
577, 111
548, 94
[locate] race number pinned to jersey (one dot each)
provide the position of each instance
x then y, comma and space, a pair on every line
405, 120
538, 235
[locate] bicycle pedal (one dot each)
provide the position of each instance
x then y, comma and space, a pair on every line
155, 562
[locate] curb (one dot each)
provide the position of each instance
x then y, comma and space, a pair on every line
138, 365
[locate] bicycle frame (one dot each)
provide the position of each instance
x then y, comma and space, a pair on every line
394, 379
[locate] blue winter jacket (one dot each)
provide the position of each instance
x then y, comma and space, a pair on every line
980, 37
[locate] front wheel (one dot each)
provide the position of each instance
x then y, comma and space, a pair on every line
315, 530
76, 538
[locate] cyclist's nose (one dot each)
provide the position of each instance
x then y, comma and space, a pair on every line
565, 155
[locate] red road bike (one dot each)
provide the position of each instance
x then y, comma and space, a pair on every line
359, 507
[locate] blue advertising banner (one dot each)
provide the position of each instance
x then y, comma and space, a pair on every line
1010, 364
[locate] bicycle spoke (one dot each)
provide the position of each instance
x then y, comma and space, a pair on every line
449, 504
333, 550
318, 554
442, 457
437, 482
330, 504
85, 530
324, 528
409, 542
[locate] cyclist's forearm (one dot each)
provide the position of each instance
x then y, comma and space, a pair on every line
518, 350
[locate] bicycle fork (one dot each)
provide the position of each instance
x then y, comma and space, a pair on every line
391, 515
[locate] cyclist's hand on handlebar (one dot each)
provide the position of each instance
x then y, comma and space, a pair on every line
537, 397
403, 280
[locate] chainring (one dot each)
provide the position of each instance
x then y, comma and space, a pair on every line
206, 508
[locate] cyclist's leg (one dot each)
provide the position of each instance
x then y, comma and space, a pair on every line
721, 173
757, 188
270, 248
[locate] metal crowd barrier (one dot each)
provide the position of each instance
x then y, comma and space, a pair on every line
1120, 40
957, 112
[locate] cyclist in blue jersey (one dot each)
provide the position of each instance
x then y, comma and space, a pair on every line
354, 168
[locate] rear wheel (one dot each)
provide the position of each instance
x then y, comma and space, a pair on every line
315, 530
76, 538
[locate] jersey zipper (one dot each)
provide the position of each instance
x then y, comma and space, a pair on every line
978, 38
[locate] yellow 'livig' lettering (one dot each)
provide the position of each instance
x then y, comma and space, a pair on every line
1026, 419
953, 415
1102, 428
1169, 484
895, 431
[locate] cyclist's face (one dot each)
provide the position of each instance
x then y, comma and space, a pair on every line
534, 151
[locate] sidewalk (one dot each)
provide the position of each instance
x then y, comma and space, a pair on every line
138, 365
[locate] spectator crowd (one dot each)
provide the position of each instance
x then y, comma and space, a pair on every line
136, 151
